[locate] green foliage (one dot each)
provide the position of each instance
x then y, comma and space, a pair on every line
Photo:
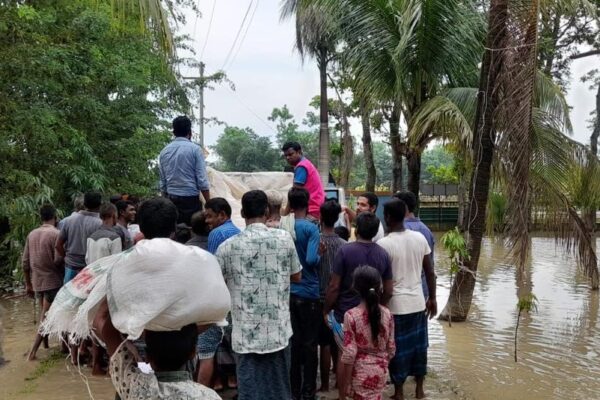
289, 130
496, 213
244, 151
84, 104
526, 303
456, 247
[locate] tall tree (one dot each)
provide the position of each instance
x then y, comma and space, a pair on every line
315, 37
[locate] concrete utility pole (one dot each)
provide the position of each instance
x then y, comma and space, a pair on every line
201, 100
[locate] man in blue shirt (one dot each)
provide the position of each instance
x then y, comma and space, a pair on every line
305, 306
183, 171
415, 224
218, 218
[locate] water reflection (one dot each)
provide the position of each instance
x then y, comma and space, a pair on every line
558, 345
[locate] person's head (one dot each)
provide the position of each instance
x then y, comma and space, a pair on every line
409, 199
125, 211
367, 283
92, 201
170, 350
108, 214
367, 225
157, 218
217, 211
115, 198
182, 127
292, 151
367, 202
48, 214
199, 225
182, 233
275, 199
342, 232
394, 212
330, 212
298, 199
78, 203
255, 205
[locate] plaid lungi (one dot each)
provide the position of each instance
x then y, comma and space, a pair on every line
410, 333
208, 341
264, 376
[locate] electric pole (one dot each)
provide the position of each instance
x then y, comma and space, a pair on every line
201, 100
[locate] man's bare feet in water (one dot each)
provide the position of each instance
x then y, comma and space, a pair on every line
419, 392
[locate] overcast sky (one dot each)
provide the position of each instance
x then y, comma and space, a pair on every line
267, 71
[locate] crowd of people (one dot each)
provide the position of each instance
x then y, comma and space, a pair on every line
307, 292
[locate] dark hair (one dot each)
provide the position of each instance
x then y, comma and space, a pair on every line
47, 212
170, 350
182, 126
218, 204
254, 204
92, 200
122, 206
157, 218
367, 225
408, 198
298, 198
199, 225
291, 145
107, 210
115, 198
367, 282
371, 198
330, 212
395, 210
182, 233
342, 232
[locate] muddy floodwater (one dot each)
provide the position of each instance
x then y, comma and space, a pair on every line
559, 345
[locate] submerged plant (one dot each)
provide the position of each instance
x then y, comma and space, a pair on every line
527, 303
455, 245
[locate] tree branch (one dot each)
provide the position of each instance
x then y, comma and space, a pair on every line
585, 54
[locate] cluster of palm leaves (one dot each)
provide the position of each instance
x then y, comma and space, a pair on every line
424, 56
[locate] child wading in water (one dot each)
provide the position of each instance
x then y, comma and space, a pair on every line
368, 341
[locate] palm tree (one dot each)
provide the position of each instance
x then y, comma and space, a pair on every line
315, 37
403, 53
533, 170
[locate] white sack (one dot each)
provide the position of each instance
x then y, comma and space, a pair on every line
164, 285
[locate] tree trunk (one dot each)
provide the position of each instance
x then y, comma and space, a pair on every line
461, 293
324, 152
463, 203
347, 154
413, 163
397, 148
590, 215
367, 147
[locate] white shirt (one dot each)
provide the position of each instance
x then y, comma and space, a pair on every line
406, 250
380, 234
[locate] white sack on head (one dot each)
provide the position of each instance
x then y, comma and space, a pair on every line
61, 317
164, 286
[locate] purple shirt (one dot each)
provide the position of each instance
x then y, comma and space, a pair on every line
415, 224
348, 258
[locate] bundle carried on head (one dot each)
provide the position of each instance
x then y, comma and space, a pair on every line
159, 285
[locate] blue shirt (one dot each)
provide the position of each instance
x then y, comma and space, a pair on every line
182, 169
415, 224
300, 175
308, 239
220, 234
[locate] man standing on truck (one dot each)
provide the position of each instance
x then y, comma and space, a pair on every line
306, 176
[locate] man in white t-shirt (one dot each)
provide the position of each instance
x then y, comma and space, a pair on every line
409, 254
366, 202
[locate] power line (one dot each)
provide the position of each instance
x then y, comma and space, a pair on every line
212, 14
237, 36
239, 98
245, 34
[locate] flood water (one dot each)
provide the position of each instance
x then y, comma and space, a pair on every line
558, 345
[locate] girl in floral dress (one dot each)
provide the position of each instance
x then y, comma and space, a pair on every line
368, 341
